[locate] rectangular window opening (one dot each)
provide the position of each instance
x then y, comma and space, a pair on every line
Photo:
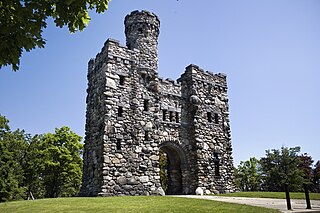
146, 136
216, 164
118, 144
216, 118
177, 117
171, 116
146, 105
216, 169
209, 117
121, 80
164, 114
143, 76
120, 111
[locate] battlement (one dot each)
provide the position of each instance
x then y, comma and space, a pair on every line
195, 69
195, 73
170, 87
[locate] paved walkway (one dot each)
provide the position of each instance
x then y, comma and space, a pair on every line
280, 204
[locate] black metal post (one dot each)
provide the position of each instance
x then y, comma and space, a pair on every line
286, 188
306, 192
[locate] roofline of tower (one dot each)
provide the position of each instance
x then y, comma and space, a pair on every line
151, 14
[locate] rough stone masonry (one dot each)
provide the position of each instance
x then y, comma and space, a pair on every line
132, 114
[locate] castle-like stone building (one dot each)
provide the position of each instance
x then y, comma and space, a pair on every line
132, 115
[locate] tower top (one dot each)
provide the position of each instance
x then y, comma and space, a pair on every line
142, 17
142, 32
139, 24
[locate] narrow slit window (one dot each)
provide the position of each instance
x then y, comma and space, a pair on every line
216, 164
171, 116
177, 117
209, 117
120, 111
121, 79
146, 105
118, 144
164, 114
216, 118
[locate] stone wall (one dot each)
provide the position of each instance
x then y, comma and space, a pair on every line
132, 114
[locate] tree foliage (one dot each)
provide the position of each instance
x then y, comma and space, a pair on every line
12, 150
62, 173
281, 167
33, 166
316, 177
247, 175
22, 23
163, 163
48, 165
305, 165
277, 168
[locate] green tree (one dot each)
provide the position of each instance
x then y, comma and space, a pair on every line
12, 151
33, 166
247, 175
62, 172
22, 23
281, 167
316, 177
305, 165
48, 165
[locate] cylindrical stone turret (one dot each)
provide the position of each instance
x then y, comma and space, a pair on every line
142, 31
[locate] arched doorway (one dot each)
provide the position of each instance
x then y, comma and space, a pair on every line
172, 166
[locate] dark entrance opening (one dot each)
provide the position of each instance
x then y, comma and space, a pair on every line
170, 170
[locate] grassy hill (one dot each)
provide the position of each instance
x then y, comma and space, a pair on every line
139, 204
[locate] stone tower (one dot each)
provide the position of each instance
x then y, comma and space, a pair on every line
142, 31
133, 115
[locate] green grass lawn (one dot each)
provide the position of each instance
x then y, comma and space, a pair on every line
280, 195
127, 204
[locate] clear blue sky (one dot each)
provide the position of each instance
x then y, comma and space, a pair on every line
269, 49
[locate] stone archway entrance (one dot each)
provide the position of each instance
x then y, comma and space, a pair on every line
173, 168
